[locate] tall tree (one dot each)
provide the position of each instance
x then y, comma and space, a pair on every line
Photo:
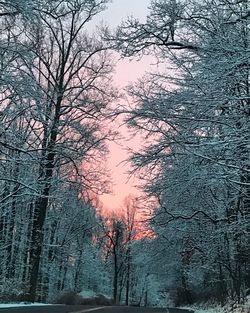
72, 71
195, 117
56, 90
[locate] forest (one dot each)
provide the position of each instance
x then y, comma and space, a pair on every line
187, 238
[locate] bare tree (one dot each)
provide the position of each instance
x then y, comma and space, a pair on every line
72, 72
57, 98
195, 117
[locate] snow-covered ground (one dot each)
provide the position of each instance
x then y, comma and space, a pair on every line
205, 310
240, 308
16, 305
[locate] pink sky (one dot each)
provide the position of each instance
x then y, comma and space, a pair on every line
126, 71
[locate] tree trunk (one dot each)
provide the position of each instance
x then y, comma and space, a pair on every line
36, 242
115, 281
128, 278
41, 205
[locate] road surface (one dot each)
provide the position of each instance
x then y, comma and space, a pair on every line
86, 309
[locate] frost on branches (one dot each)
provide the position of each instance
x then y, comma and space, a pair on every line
194, 114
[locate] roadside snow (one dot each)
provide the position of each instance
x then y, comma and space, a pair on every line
204, 310
238, 308
21, 304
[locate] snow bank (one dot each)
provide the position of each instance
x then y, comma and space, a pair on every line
229, 308
21, 304
202, 309
238, 309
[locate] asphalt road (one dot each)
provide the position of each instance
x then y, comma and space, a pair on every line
86, 309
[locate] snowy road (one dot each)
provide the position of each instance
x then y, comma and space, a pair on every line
84, 309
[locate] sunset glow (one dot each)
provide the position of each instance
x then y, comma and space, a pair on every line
124, 156
127, 71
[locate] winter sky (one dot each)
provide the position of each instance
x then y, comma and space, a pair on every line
126, 71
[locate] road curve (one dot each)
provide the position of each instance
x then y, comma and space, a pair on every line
86, 309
